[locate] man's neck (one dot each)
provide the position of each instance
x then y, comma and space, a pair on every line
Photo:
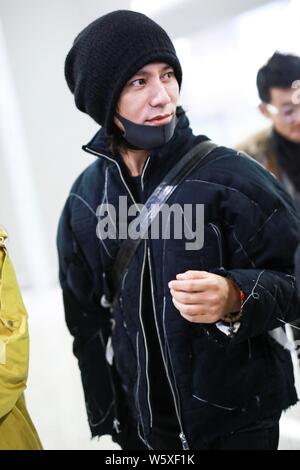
135, 160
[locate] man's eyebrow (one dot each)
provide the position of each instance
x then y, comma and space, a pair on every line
143, 71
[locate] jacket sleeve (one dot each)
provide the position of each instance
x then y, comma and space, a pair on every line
262, 236
89, 324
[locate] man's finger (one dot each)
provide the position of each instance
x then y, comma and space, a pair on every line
192, 275
190, 285
191, 298
190, 310
198, 316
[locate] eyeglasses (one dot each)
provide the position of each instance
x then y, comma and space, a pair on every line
287, 113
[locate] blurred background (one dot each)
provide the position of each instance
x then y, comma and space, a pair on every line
221, 45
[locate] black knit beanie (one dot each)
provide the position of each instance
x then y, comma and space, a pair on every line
107, 53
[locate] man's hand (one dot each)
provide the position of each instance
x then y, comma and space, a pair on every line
202, 297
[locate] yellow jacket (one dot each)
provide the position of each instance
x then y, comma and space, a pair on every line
17, 431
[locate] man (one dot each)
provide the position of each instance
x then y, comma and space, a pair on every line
278, 147
192, 364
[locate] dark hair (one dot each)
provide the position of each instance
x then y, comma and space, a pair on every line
280, 71
116, 142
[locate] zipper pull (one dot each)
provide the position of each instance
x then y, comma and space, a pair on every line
184, 442
116, 426
231, 330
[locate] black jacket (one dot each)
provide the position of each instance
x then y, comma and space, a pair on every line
220, 384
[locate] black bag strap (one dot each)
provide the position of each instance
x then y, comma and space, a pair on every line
196, 157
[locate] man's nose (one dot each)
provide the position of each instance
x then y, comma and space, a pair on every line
159, 95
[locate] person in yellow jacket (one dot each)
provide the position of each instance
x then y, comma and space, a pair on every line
17, 431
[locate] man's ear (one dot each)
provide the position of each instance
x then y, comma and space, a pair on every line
263, 110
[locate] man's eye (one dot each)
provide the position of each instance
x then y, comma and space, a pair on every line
138, 82
169, 74
288, 112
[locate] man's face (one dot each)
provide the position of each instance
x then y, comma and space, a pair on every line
150, 96
284, 113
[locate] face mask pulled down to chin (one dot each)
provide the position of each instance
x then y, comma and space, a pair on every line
145, 137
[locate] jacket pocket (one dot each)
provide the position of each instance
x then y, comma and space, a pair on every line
227, 378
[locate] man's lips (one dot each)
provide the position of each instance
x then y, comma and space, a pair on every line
160, 119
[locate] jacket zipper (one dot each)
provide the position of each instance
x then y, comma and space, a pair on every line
137, 400
143, 173
116, 422
182, 436
144, 335
142, 273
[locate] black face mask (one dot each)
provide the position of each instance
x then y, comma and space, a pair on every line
147, 137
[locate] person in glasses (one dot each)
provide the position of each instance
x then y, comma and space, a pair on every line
278, 147
184, 360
